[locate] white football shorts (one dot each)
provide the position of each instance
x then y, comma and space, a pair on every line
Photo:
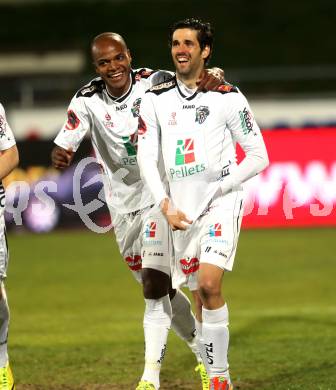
212, 238
144, 240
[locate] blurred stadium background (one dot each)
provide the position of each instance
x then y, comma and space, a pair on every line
282, 56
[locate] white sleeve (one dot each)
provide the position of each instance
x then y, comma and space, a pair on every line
149, 149
7, 139
75, 126
160, 76
246, 132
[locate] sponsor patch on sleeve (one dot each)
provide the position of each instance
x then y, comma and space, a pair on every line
246, 120
73, 121
142, 128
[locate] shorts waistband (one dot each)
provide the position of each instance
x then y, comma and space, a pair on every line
140, 211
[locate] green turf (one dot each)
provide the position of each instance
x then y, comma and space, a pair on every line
77, 313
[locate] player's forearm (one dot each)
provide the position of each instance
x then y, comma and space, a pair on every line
253, 163
151, 176
9, 159
61, 158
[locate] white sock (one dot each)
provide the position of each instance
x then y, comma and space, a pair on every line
157, 321
200, 344
184, 321
4, 321
215, 334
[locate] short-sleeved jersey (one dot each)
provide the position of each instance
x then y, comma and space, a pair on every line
112, 123
7, 140
198, 135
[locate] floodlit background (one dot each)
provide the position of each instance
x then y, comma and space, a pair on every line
280, 53
76, 312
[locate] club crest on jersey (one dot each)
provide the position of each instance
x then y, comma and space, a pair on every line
172, 121
185, 151
215, 230
134, 262
73, 121
202, 112
136, 108
150, 230
142, 128
189, 265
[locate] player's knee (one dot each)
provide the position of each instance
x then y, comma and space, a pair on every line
209, 288
155, 283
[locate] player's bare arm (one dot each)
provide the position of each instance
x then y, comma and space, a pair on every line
176, 218
9, 159
61, 158
210, 79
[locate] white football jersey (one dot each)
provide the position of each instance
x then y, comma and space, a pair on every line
7, 140
112, 123
198, 135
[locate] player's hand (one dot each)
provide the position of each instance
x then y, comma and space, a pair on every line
211, 79
61, 158
176, 218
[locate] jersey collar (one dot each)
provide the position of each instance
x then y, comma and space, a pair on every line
186, 93
123, 97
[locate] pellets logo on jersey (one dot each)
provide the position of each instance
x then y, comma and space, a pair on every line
134, 262
246, 120
73, 121
142, 128
131, 144
202, 112
185, 151
215, 230
189, 265
136, 108
150, 230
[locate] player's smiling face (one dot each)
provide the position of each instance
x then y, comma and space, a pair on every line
113, 64
187, 54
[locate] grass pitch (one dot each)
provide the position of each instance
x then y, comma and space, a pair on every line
76, 314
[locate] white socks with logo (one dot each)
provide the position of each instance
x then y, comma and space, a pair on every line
4, 321
157, 321
215, 335
184, 322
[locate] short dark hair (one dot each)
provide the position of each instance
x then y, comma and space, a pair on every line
204, 33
